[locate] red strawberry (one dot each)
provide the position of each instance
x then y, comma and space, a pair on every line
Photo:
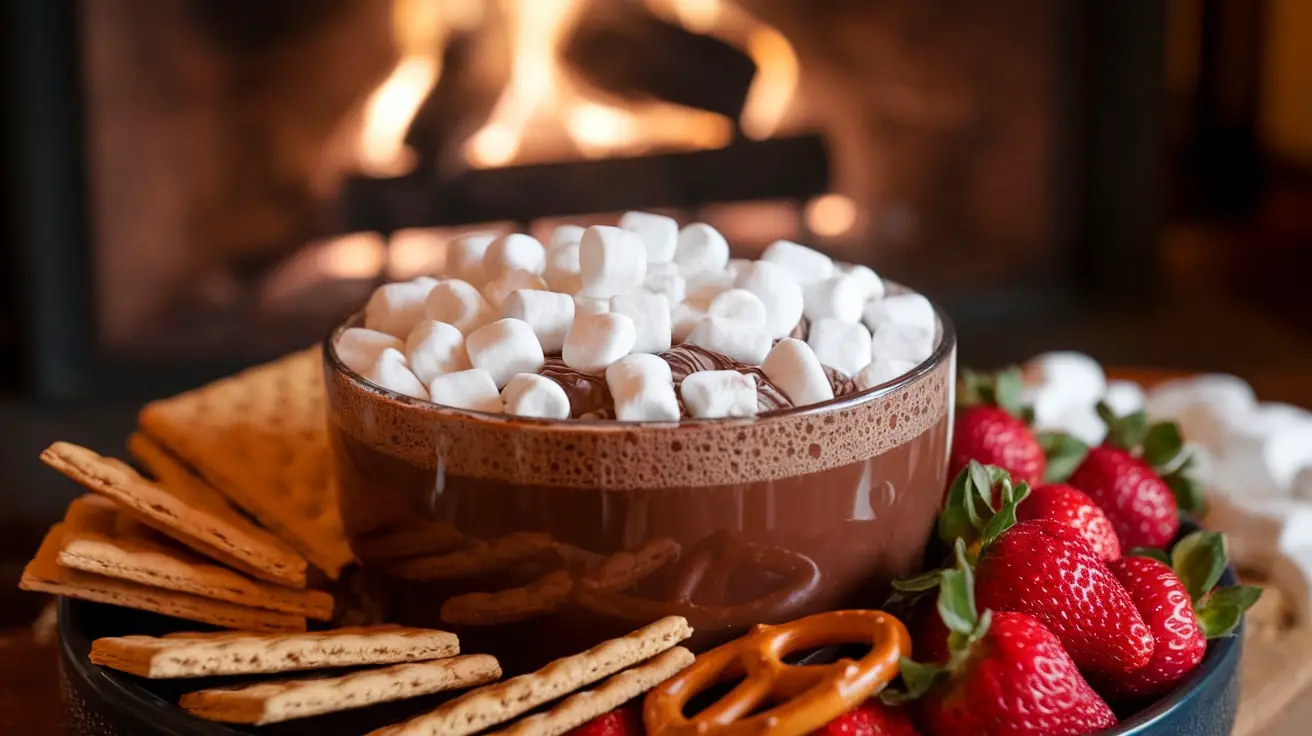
1047, 570
871, 718
1071, 507
993, 428
623, 721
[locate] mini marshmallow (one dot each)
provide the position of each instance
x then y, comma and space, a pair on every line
872, 287
905, 309
562, 273
701, 248
531, 395
793, 367
496, 290
844, 346
683, 320
548, 313
504, 348
702, 288
597, 340
902, 342
739, 305
395, 308
643, 389
807, 265
473, 389
458, 304
464, 257
1080, 421
651, 320
586, 305
740, 341
880, 372
1124, 397
664, 278
514, 251
611, 261
737, 266
716, 394
390, 372
434, 348
565, 235
1074, 381
659, 234
839, 296
358, 347
780, 293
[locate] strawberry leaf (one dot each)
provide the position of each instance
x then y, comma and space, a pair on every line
1199, 560
918, 583
918, 679
1006, 516
982, 479
1007, 386
1162, 445
1186, 488
962, 516
1003, 389
1064, 454
1127, 432
956, 594
955, 523
1220, 614
1151, 553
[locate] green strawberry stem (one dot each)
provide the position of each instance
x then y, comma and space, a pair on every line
1199, 561
1161, 446
1002, 389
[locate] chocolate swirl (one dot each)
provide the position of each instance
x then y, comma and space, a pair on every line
685, 359
589, 398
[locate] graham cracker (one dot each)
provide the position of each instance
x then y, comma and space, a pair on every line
260, 438
412, 540
623, 569
481, 558
500, 702
202, 521
44, 574
94, 542
241, 653
284, 700
580, 708
543, 596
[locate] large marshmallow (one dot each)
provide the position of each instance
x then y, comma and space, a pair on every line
433, 348
737, 266
358, 347
872, 287
587, 306
841, 296
901, 342
531, 395
740, 341
664, 278
549, 313
460, 305
643, 389
562, 272
395, 308
684, 318
702, 288
659, 234
1071, 382
597, 340
716, 394
504, 348
472, 389
611, 261
390, 372
514, 252
701, 248
651, 319
781, 294
1174, 399
565, 235
496, 290
739, 305
904, 309
842, 345
1124, 397
464, 257
807, 265
880, 372
793, 367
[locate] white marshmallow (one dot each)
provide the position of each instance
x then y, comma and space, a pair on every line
903, 342
737, 266
358, 347
586, 305
905, 309
701, 248
1080, 421
643, 389
464, 257
1173, 399
390, 372
840, 296
531, 395
496, 290
597, 340
739, 305
844, 346
548, 313
740, 341
395, 308
702, 288
651, 319
458, 304
871, 285
504, 348
807, 265
780, 293
1301, 488
562, 272
473, 389
565, 235
611, 261
434, 348
659, 234
1073, 381
1124, 397
793, 367
684, 319
716, 394
514, 252
880, 372
664, 278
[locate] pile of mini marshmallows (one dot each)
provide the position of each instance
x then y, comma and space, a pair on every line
609, 300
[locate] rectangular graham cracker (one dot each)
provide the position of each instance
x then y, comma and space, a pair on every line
260, 437
95, 542
502, 701
44, 574
284, 700
204, 523
240, 653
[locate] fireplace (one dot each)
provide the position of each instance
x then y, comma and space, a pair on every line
218, 180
